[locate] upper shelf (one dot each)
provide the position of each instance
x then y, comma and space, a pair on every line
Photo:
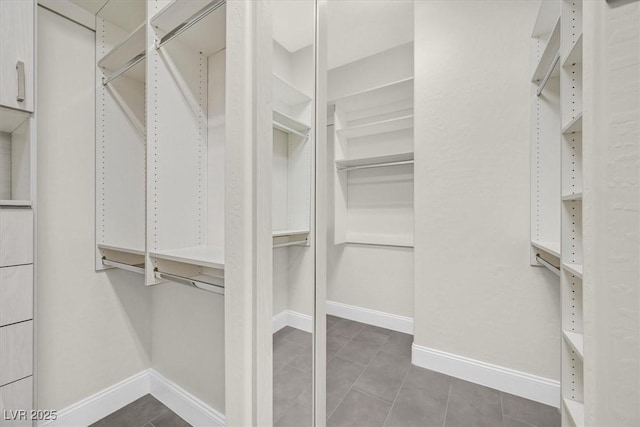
548, 56
548, 14
384, 126
204, 256
575, 269
124, 57
552, 248
198, 24
288, 124
132, 251
387, 160
288, 94
388, 94
575, 53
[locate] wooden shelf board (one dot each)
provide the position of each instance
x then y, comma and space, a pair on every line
552, 248
572, 197
551, 49
117, 248
575, 340
384, 126
575, 53
575, 410
380, 240
290, 122
288, 93
575, 269
574, 125
16, 203
206, 36
378, 160
132, 46
388, 93
205, 256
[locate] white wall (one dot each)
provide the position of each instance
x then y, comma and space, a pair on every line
93, 328
475, 293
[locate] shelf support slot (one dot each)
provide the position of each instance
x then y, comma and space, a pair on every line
555, 270
131, 63
217, 287
547, 76
191, 21
376, 165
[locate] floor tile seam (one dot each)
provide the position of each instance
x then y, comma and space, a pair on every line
298, 369
165, 410
293, 401
404, 380
446, 408
502, 409
378, 398
519, 420
295, 343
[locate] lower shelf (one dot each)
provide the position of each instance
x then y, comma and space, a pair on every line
204, 256
575, 410
575, 269
552, 248
116, 248
380, 240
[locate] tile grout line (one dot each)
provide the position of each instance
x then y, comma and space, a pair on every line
446, 409
397, 394
502, 409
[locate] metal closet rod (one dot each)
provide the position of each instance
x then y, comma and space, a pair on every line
376, 165
135, 268
547, 264
217, 287
547, 76
139, 57
192, 20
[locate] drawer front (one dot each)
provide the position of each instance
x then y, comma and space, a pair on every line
16, 237
14, 398
16, 294
16, 352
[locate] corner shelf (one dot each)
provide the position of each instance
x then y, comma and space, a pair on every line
552, 248
123, 58
384, 126
575, 410
574, 125
575, 340
204, 256
572, 197
551, 49
575, 53
388, 160
575, 269
195, 23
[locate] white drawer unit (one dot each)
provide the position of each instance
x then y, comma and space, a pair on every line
16, 294
16, 400
16, 237
16, 352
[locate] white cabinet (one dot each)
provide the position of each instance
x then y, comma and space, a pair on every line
17, 24
16, 237
16, 294
14, 398
16, 352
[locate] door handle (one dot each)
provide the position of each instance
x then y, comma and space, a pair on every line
20, 69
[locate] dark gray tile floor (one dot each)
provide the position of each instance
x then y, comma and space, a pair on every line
371, 382
144, 412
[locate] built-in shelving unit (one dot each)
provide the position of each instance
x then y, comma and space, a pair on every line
556, 182
373, 154
127, 58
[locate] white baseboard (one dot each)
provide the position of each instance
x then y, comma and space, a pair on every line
521, 384
371, 317
95, 407
294, 319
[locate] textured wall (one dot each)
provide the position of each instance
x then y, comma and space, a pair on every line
475, 293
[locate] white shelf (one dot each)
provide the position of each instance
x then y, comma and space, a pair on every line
205, 256
288, 94
116, 248
575, 340
14, 203
575, 53
575, 410
374, 161
290, 122
574, 125
548, 14
198, 24
575, 269
552, 248
285, 233
380, 240
11, 119
389, 93
551, 49
572, 197
125, 53
384, 126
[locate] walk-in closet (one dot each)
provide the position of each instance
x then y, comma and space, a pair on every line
368, 213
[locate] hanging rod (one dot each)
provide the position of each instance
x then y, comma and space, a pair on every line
547, 76
547, 264
192, 20
132, 62
134, 268
375, 165
217, 287
287, 129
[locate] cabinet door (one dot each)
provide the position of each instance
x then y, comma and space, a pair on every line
17, 21
16, 294
16, 352
16, 235
16, 402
